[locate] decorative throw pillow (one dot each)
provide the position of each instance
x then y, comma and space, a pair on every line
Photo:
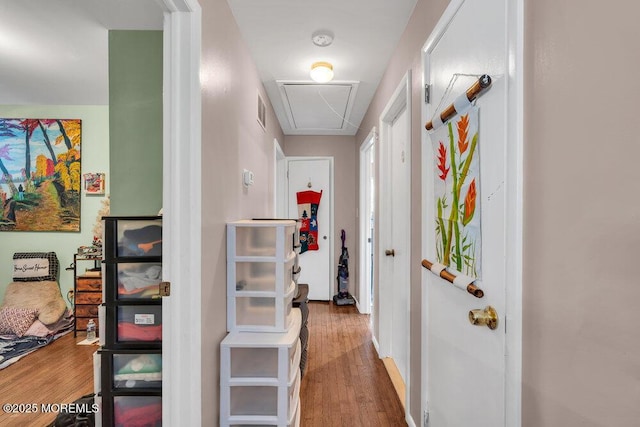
16, 320
35, 266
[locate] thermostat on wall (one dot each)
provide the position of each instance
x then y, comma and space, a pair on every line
247, 178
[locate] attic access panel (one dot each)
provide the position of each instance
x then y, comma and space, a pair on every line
314, 106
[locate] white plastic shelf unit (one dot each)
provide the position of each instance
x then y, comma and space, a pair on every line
260, 286
260, 377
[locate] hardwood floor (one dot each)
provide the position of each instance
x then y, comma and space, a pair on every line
59, 373
345, 383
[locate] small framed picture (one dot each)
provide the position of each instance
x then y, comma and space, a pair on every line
94, 183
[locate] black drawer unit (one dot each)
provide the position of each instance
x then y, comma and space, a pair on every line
131, 353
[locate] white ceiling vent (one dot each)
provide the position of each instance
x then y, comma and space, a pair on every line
313, 107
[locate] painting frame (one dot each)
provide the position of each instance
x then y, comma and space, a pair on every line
40, 174
94, 183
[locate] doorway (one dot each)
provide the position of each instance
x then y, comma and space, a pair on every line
314, 174
367, 222
395, 231
459, 357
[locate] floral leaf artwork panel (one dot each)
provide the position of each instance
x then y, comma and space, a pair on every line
457, 198
40, 174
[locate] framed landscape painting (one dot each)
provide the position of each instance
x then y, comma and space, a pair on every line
40, 174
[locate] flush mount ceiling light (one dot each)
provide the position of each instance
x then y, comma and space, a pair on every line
321, 72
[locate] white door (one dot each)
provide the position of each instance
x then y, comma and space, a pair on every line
367, 211
315, 174
465, 364
395, 216
399, 284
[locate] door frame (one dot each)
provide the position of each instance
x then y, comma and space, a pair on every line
181, 338
365, 277
288, 159
280, 181
400, 100
514, 205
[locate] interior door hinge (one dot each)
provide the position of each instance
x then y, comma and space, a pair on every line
427, 94
164, 289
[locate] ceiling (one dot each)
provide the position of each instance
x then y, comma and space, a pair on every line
55, 52
39, 45
279, 32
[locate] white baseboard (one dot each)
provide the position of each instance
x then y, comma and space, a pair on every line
357, 305
376, 345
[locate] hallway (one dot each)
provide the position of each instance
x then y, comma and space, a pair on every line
345, 383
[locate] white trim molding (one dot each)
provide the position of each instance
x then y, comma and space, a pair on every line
365, 277
181, 340
398, 102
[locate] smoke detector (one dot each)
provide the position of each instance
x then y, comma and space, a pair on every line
322, 38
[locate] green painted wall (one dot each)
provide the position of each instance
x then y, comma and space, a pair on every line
135, 121
95, 158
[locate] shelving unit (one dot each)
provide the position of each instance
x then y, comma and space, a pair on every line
260, 357
130, 359
260, 286
262, 376
87, 291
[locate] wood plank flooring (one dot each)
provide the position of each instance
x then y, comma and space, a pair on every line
345, 383
59, 373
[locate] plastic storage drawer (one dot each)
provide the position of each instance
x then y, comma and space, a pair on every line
262, 276
269, 403
259, 356
134, 326
137, 410
260, 311
133, 281
137, 237
260, 238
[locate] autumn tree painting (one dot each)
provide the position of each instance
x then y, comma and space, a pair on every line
41, 174
457, 227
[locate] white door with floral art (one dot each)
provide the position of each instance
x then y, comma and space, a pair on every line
470, 204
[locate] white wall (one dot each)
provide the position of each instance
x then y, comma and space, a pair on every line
232, 140
343, 150
581, 345
94, 158
407, 56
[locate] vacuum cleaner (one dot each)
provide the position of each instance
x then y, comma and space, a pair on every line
343, 297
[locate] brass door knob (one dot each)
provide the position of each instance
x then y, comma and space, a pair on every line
487, 316
390, 252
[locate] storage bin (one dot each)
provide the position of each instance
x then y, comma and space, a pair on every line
260, 376
137, 410
139, 237
260, 276
136, 370
260, 311
259, 356
293, 422
133, 281
246, 399
260, 238
130, 359
139, 323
